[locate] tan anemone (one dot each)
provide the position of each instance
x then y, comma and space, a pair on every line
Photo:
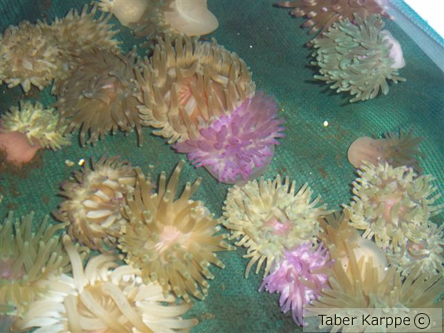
269, 217
94, 197
28, 57
105, 297
393, 205
187, 84
426, 253
80, 32
172, 241
322, 14
37, 123
336, 228
101, 95
29, 258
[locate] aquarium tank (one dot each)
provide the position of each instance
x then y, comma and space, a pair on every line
219, 165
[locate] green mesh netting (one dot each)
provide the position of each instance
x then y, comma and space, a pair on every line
271, 43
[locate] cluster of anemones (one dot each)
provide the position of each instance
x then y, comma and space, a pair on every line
25, 130
171, 241
352, 52
104, 297
201, 96
38, 54
168, 243
317, 261
279, 226
395, 206
362, 278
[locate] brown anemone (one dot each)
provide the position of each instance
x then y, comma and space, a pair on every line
101, 95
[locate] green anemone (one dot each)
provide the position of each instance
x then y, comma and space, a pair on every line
355, 57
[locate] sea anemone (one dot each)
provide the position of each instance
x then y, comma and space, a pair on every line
78, 33
336, 228
397, 150
171, 18
428, 253
104, 297
368, 292
188, 84
392, 204
171, 241
94, 200
101, 95
299, 278
28, 57
127, 12
356, 57
322, 14
27, 259
270, 217
238, 146
27, 128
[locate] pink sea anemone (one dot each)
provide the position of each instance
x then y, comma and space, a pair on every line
238, 146
299, 278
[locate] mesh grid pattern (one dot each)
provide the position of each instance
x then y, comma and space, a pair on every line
271, 43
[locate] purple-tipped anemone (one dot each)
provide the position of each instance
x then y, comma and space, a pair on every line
238, 146
299, 279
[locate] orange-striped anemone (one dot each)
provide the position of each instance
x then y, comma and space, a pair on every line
172, 241
187, 84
